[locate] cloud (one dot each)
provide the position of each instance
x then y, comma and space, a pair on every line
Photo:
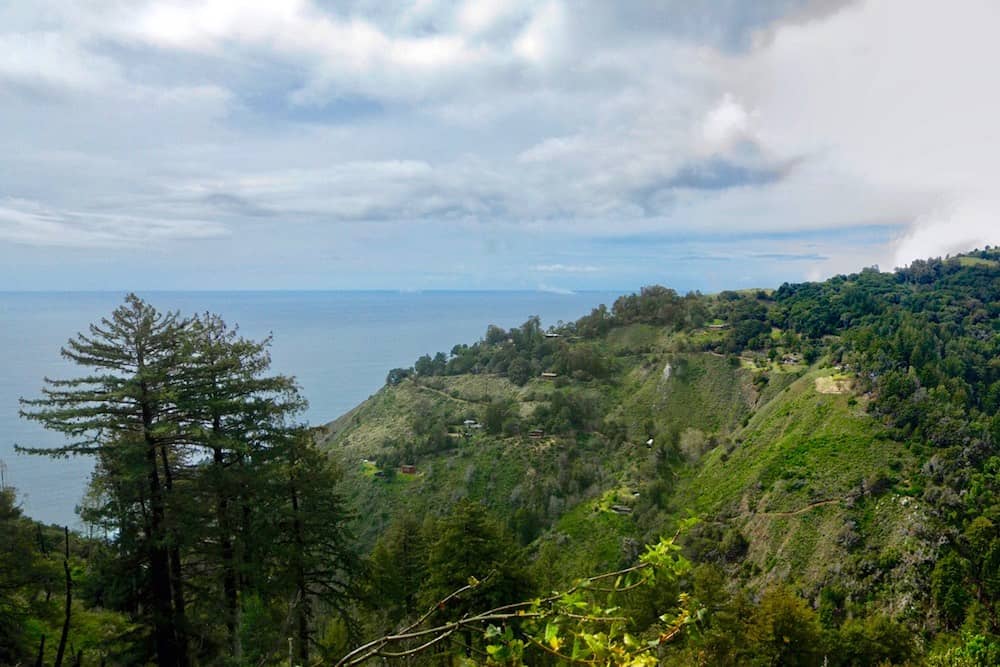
337, 53
478, 17
968, 224
51, 62
552, 289
725, 125
544, 124
565, 268
891, 94
29, 223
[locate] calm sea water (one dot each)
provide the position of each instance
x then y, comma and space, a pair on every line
339, 345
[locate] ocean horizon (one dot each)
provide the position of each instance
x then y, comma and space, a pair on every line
338, 344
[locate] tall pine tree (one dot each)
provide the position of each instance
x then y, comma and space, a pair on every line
210, 491
123, 414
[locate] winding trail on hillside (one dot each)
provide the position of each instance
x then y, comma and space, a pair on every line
445, 394
802, 510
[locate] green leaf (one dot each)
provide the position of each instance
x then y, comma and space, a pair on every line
551, 632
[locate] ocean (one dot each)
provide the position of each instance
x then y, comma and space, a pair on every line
339, 345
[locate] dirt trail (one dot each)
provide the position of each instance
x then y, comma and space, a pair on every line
445, 394
802, 510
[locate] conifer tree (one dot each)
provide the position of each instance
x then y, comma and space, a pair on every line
234, 414
470, 543
123, 414
311, 556
399, 568
210, 489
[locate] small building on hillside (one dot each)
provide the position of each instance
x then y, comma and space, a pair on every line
553, 334
536, 433
550, 376
408, 469
718, 326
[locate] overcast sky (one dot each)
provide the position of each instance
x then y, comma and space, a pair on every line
565, 144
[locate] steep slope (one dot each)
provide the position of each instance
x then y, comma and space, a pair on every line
822, 433
586, 500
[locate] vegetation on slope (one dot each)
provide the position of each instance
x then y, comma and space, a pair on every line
838, 442
837, 439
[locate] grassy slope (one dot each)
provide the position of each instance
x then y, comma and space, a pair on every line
807, 472
791, 470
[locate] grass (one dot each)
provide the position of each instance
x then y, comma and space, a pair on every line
591, 540
978, 261
800, 447
783, 448
634, 338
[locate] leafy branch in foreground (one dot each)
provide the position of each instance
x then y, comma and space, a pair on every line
584, 625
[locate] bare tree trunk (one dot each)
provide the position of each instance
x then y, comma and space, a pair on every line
229, 580
69, 603
164, 634
176, 576
159, 565
304, 612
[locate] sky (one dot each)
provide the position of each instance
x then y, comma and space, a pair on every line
491, 144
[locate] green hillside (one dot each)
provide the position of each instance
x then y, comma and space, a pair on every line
808, 475
820, 432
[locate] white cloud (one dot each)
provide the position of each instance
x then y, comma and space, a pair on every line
968, 224
339, 53
53, 61
895, 95
725, 125
487, 118
543, 39
206, 25
30, 223
476, 17
566, 268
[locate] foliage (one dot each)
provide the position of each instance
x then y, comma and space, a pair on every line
840, 437
207, 490
884, 466
582, 625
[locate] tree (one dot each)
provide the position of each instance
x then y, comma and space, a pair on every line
495, 335
19, 567
397, 375
497, 411
471, 544
519, 371
235, 415
399, 568
948, 588
123, 414
304, 522
211, 490
581, 625
874, 640
784, 630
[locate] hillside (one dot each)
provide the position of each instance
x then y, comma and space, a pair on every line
825, 434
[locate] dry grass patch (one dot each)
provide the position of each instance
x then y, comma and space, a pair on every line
832, 384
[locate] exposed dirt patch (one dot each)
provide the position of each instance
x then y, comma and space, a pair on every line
833, 385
